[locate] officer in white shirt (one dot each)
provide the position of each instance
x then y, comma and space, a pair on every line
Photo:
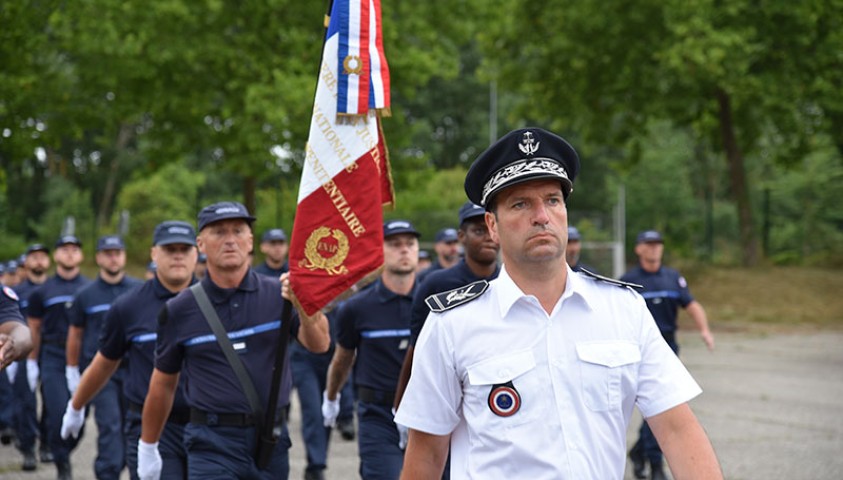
535, 374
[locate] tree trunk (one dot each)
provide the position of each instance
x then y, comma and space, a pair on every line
249, 185
738, 181
127, 132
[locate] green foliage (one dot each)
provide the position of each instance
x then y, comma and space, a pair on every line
65, 200
169, 194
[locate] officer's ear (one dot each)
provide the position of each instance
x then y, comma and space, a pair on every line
492, 225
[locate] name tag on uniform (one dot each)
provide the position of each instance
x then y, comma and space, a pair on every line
239, 347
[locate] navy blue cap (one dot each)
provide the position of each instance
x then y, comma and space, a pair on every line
520, 156
649, 236
223, 211
174, 231
11, 265
37, 247
424, 254
2, 268
446, 235
202, 258
274, 235
21, 259
68, 240
394, 227
110, 242
151, 267
573, 234
470, 210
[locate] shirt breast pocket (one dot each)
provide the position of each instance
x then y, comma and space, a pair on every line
605, 368
526, 394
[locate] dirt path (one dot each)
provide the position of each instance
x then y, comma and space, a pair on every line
771, 405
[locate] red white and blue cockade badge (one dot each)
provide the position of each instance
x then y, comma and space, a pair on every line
504, 400
10, 293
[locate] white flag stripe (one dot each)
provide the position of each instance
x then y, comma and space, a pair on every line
375, 59
331, 146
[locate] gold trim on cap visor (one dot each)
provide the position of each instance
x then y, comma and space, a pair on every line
522, 168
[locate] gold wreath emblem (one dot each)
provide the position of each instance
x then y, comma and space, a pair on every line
332, 264
352, 64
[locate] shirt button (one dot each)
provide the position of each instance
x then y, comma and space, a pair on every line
236, 305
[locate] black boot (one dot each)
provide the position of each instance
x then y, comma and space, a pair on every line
30, 463
638, 463
64, 470
656, 471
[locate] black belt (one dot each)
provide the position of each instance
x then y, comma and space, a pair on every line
377, 397
180, 417
231, 419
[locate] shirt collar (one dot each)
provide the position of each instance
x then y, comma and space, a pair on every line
509, 293
220, 295
161, 291
385, 295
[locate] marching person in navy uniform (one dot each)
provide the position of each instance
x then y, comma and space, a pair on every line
129, 333
535, 374
47, 317
221, 436
86, 316
447, 248
36, 264
665, 290
274, 247
373, 333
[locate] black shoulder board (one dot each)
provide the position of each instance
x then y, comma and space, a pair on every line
611, 281
440, 302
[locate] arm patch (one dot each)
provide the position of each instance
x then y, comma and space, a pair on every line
439, 302
610, 281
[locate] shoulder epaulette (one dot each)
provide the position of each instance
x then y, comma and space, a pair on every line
439, 302
611, 281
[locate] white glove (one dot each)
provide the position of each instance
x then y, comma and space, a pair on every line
11, 371
403, 433
149, 461
72, 421
71, 373
32, 373
330, 410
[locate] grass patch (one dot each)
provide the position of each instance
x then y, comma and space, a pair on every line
768, 296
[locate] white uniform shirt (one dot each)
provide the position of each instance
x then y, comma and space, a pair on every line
578, 373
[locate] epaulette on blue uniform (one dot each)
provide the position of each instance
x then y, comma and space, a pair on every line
440, 302
611, 281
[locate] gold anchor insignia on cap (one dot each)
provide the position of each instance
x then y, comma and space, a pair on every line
528, 145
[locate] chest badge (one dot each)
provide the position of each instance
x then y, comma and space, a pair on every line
504, 399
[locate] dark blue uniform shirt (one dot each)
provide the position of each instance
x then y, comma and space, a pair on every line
24, 289
48, 302
265, 269
251, 314
88, 310
376, 322
9, 307
439, 281
129, 331
665, 291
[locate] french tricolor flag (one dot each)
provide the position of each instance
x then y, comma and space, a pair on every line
337, 236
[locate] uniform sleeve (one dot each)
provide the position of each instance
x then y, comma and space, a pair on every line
663, 381
433, 397
75, 311
9, 310
113, 343
347, 335
168, 352
685, 297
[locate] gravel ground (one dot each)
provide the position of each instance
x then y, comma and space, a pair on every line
771, 405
